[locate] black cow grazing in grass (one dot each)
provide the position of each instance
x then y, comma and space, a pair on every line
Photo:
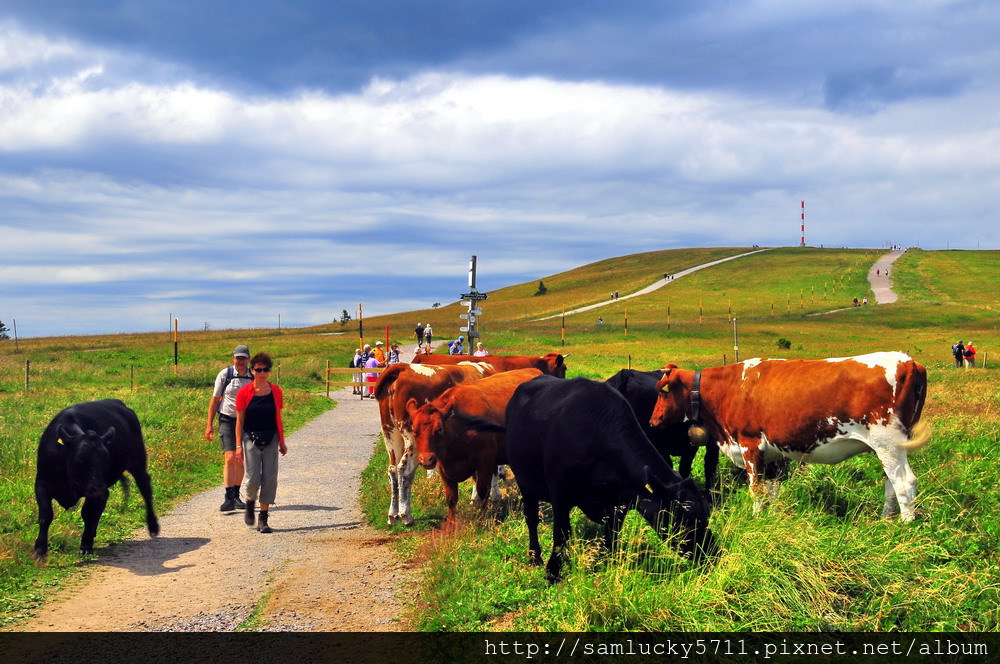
85, 449
670, 440
577, 443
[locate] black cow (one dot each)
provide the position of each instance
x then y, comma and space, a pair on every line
639, 389
577, 443
85, 449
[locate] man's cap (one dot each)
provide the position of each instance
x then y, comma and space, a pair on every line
241, 351
378, 343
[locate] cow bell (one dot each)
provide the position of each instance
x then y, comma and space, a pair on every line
698, 435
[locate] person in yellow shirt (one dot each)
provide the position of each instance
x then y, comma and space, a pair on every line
380, 353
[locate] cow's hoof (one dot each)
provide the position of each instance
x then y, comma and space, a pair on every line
409, 522
86, 551
41, 555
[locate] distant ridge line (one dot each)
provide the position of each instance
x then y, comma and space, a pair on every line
660, 283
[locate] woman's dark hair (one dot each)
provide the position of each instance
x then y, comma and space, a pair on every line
261, 358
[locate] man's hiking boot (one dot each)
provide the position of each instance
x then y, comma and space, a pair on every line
229, 504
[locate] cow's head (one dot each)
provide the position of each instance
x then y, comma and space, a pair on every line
89, 461
678, 508
673, 397
428, 425
556, 364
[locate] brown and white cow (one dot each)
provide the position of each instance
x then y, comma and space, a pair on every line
443, 439
401, 390
818, 411
553, 364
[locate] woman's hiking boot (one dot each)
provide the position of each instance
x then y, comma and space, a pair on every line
262, 526
248, 515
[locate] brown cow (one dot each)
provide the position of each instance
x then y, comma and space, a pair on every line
818, 411
553, 364
444, 440
400, 390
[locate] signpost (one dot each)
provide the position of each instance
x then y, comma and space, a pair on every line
472, 300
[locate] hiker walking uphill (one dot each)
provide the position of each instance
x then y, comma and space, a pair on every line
418, 331
958, 351
970, 356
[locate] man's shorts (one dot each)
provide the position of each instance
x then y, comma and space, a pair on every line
227, 433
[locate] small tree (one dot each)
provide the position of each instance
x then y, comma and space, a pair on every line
435, 305
542, 290
344, 317
4, 331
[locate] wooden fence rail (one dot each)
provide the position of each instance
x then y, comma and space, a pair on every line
330, 371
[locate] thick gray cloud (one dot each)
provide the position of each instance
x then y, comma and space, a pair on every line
155, 155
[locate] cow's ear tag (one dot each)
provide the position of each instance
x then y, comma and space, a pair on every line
59, 440
649, 488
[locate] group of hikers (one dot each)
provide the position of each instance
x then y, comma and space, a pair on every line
367, 358
965, 354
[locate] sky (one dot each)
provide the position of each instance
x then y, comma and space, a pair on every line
244, 164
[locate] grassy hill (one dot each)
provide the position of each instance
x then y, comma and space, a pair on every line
820, 559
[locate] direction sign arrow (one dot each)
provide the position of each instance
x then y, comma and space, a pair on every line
476, 311
464, 329
465, 303
464, 316
473, 296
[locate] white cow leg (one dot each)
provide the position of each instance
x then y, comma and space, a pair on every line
904, 483
891, 507
406, 471
495, 489
393, 494
758, 491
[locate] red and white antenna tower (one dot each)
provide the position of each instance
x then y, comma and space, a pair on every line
803, 224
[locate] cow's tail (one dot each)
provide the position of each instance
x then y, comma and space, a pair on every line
126, 485
480, 424
920, 433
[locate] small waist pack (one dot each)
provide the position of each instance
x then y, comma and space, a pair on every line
261, 439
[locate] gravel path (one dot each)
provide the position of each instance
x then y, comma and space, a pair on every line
320, 570
878, 277
660, 283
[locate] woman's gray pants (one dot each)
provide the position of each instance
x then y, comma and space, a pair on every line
260, 471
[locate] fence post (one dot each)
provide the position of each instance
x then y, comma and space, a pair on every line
27, 374
328, 379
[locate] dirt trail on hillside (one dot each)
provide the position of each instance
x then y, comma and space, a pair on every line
878, 277
321, 569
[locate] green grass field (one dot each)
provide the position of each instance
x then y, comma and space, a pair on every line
819, 558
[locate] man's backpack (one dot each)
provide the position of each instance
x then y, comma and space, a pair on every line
230, 377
